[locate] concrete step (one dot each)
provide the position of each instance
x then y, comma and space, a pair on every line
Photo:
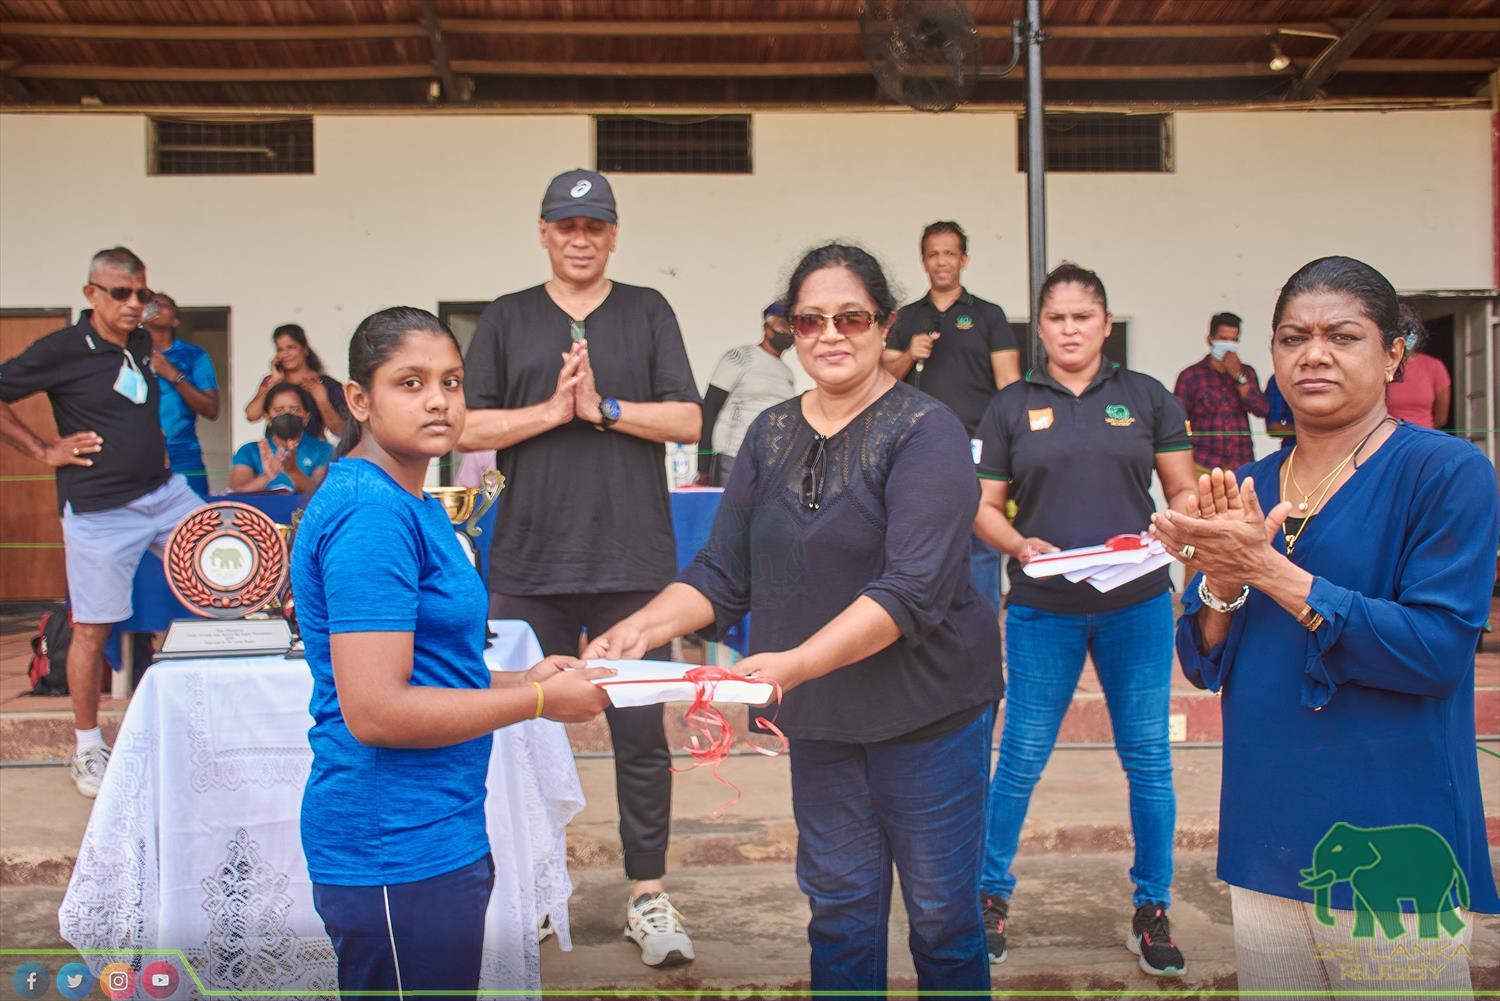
1080, 806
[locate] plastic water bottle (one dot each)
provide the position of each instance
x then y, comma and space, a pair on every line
681, 465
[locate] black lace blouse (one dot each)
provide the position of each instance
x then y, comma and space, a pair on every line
895, 495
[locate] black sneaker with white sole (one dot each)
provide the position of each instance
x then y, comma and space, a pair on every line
996, 912
1151, 939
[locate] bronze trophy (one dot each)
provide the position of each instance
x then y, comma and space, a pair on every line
227, 562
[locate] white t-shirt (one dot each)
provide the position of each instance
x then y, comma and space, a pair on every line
754, 380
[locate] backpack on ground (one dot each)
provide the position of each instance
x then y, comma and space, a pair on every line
48, 673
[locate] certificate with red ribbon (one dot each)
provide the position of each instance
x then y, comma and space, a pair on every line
652, 682
649, 682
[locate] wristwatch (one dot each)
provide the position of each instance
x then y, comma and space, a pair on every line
1242, 379
181, 378
609, 412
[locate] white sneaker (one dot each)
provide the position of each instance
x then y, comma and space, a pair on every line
87, 769
652, 923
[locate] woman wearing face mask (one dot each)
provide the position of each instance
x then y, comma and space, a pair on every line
297, 363
288, 457
1424, 392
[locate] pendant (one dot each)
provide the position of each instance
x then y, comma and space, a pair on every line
1302, 506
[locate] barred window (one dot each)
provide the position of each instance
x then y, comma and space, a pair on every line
1102, 143
259, 145
672, 144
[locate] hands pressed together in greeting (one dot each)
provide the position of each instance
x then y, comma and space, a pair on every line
576, 394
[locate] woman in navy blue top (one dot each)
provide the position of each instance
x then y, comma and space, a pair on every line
1340, 631
845, 530
393, 618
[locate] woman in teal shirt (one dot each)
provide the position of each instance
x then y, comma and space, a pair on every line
287, 458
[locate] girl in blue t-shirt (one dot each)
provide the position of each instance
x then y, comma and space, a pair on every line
393, 619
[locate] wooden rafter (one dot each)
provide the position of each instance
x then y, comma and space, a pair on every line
1337, 54
687, 29
785, 70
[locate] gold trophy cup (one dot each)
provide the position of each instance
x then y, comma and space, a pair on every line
467, 505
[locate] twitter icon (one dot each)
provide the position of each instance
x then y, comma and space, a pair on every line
74, 981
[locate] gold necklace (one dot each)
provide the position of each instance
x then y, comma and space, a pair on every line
1291, 476
1326, 483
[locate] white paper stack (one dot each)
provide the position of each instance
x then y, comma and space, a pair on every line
1119, 561
652, 682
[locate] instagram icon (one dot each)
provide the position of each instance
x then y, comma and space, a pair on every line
117, 981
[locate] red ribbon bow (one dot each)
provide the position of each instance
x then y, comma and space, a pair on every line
715, 737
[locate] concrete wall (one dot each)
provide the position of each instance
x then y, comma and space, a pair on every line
425, 209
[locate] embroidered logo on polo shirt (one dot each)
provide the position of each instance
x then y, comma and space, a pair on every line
964, 322
1041, 419
1117, 415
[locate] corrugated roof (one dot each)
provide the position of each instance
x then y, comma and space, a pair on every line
631, 53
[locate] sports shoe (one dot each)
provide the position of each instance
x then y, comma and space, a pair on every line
1151, 939
652, 923
87, 769
996, 911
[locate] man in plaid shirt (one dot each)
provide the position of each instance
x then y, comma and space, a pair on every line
1218, 393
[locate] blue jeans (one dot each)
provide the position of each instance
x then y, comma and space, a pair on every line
1044, 652
422, 936
860, 807
984, 571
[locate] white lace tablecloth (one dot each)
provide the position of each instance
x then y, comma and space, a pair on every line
194, 842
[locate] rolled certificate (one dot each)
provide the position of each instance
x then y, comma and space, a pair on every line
653, 682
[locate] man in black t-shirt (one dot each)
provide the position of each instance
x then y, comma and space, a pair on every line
958, 348
578, 383
116, 496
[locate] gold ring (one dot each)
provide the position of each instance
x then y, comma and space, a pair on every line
75, 451
1188, 552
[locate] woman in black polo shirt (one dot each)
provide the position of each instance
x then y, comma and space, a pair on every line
1074, 444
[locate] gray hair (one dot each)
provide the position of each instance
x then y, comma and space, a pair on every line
116, 257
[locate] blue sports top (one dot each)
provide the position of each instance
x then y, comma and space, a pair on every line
370, 557
1370, 719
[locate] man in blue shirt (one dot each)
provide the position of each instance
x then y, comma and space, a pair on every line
189, 390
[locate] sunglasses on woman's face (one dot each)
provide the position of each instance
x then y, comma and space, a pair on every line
847, 323
122, 292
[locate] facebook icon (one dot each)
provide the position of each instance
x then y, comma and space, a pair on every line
31, 980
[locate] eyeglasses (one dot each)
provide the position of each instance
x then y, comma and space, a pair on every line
816, 474
847, 323
122, 292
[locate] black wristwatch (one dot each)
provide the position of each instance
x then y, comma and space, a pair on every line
609, 412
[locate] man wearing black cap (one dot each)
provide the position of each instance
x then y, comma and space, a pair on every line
746, 381
577, 383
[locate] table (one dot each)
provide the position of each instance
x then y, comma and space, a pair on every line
693, 512
194, 841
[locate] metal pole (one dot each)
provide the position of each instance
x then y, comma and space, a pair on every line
1036, 169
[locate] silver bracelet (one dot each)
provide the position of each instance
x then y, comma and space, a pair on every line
1226, 607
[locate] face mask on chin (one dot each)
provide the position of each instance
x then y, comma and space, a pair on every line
287, 427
